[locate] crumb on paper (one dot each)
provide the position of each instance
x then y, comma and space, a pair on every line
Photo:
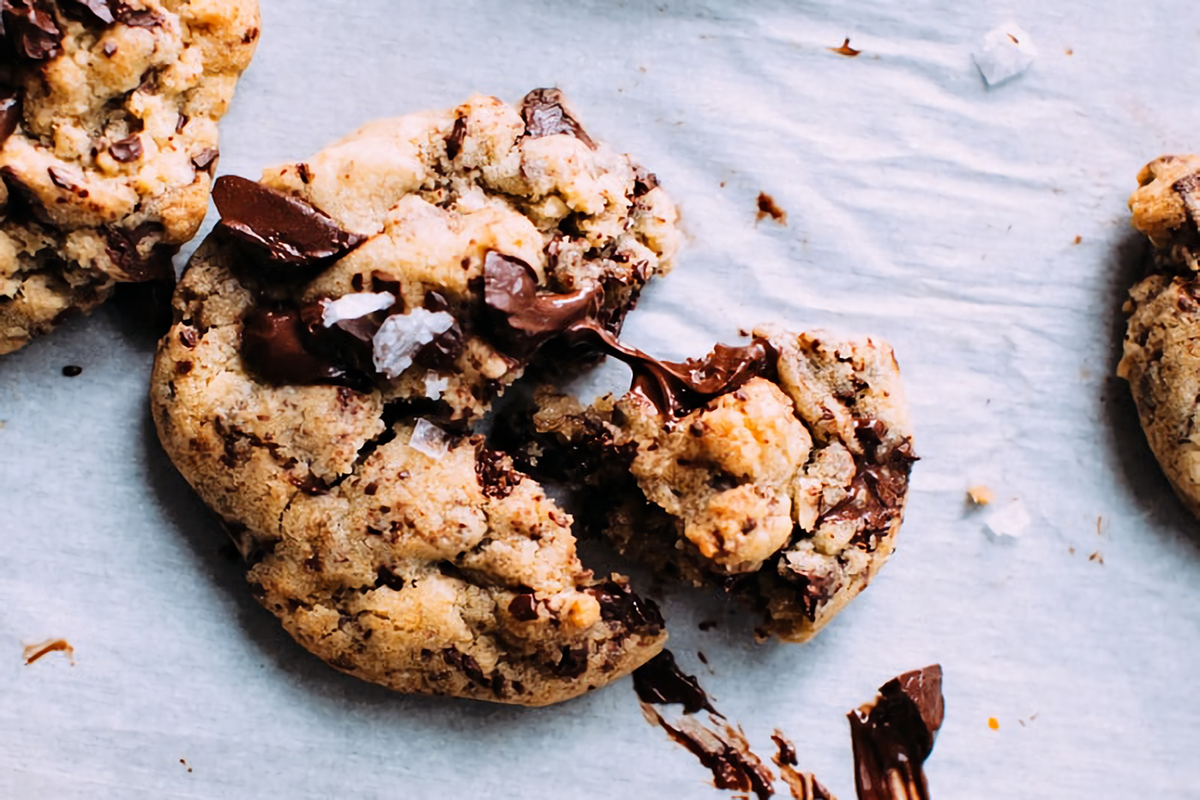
1004, 53
429, 439
767, 207
184, 762
33, 652
993, 723
707, 625
980, 495
402, 335
1070, 52
350, 308
72, 371
845, 49
435, 385
1097, 556
1010, 521
1078, 239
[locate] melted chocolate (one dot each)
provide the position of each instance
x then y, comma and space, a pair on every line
29, 26
619, 603
524, 318
126, 150
273, 346
523, 607
139, 264
725, 754
10, 112
877, 490
894, 735
661, 681
495, 474
285, 229
544, 115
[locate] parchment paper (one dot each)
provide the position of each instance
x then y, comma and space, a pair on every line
922, 207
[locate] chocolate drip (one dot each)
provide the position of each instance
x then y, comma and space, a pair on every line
10, 112
676, 389
274, 346
286, 229
544, 115
524, 318
661, 681
894, 735
876, 493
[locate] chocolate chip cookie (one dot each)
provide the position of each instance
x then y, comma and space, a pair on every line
1161, 358
777, 471
108, 140
347, 319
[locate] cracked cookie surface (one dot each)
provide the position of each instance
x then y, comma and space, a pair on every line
786, 486
108, 140
294, 394
1161, 358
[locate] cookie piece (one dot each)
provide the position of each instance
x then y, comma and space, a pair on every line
333, 336
1160, 359
449, 220
777, 471
108, 142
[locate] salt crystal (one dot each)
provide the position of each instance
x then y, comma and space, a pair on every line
429, 439
435, 385
1004, 53
349, 308
1009, 521
402, 335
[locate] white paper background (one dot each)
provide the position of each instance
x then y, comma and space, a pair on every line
922, 207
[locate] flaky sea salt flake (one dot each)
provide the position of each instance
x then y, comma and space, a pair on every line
347, 310
1004, 53
1007, 522
429, 439
402, 335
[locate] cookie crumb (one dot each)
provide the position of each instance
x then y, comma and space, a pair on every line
993, 723
1097, 557
184, 762
72, 371
845, 49
33, 652
981, 495
767, 207
1078, 239
707, 625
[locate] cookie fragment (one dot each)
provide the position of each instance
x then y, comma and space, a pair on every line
776, 471
99, 180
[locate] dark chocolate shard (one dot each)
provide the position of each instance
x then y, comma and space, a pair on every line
523, 607
138, 253
10, 112
894, 735
30, 27
544, 115
495, 474
126, 150
205, 158
458, 135
96, 12
660, 681
619, 603
273, 347
286, 229
524, 318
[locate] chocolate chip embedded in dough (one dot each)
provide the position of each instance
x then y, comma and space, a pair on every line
10, 112
544, 115
126, 150
285, 229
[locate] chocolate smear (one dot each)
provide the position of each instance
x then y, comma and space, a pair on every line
126, 150
619, 603
724, 751
894, 735
30, 27
524, 318
273, 346
804, 785
286, 229
544, 115
660, 681
10, 112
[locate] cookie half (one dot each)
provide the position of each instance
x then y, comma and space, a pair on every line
347, 318
776, 471
1161, 359
108, 142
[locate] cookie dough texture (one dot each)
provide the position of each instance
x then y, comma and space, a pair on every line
787, 491
398, 551
111, 112
1161, 359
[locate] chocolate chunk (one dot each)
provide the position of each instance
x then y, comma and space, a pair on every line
894, 735
126, 150
619, 603
205, 158
273, 347
30, 27
467, 665
126, 249
876, 492
523, 607
661, 681
285, 229
135, 17
97, 12
455, 139
10, 112
544, 115
181, 123
441, 354
63, 181
572, 663
643, 181
495, 474
385, 577
72, 371
524, 318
